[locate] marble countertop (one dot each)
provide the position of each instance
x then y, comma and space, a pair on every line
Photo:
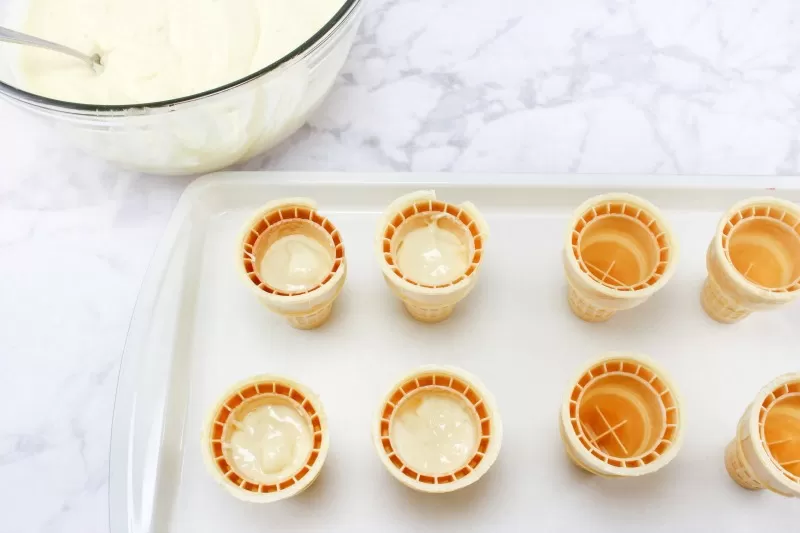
687, 87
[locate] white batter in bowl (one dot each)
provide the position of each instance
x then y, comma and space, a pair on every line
154, 50
147, 120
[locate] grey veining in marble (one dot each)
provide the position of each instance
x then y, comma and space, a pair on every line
647, 86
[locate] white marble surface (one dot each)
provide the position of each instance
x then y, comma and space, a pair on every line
648, 86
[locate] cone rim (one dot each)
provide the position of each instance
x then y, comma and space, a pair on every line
721, 252
459, 478
754, 430
465, 214
305, 474
599, 287
305, 211
594, 463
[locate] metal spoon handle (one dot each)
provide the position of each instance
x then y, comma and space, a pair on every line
11, 36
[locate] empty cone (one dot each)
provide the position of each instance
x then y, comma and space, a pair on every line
430, 252
621, 417
266, 439
438, 430
753, 261
293, 259
765, 453
619, 251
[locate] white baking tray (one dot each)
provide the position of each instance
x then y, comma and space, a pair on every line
197, 329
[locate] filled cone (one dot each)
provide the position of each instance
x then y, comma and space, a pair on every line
765, 453
619, 251
240, 439
621, 417
430, 252
753, 261
278, 248
438, 430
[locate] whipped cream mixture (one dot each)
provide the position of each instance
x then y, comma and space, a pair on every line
434, 432
432, 255
157, 50
295, 263
271, 443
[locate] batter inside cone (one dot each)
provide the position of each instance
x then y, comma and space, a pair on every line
294, 263
432, 244
764, 246
292, 250
266, 437
620, 246
435, 432
432, 249
435, 429
271, 440
623, 414
780, 427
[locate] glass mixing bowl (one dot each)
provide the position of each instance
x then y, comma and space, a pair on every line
201, 132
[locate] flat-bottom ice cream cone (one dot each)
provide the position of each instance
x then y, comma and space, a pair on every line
621, 417
753, 261
293, 259
311, 320
765, 453
619, 251
585, 309
430, 315
430, 253
438, 430
737, 468
266, 439
719, 305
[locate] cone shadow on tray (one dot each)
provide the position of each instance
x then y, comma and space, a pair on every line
446, 506
619, 493
316, 492
633, 329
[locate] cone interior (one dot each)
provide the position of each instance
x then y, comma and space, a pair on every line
623, 414
621, 246
449, 218
433, 433
230, 415
763, 244
286, 222
779, 423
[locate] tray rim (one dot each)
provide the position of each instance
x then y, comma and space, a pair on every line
123, 407
489, 180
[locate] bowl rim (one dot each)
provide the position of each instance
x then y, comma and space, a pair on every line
344, 13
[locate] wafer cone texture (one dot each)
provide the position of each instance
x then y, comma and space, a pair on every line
427, 303
306, 310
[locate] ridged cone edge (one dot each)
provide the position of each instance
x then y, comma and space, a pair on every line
266, 497
489, 458
738, 469
715, 308
580, 452
572, 264
583, 309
